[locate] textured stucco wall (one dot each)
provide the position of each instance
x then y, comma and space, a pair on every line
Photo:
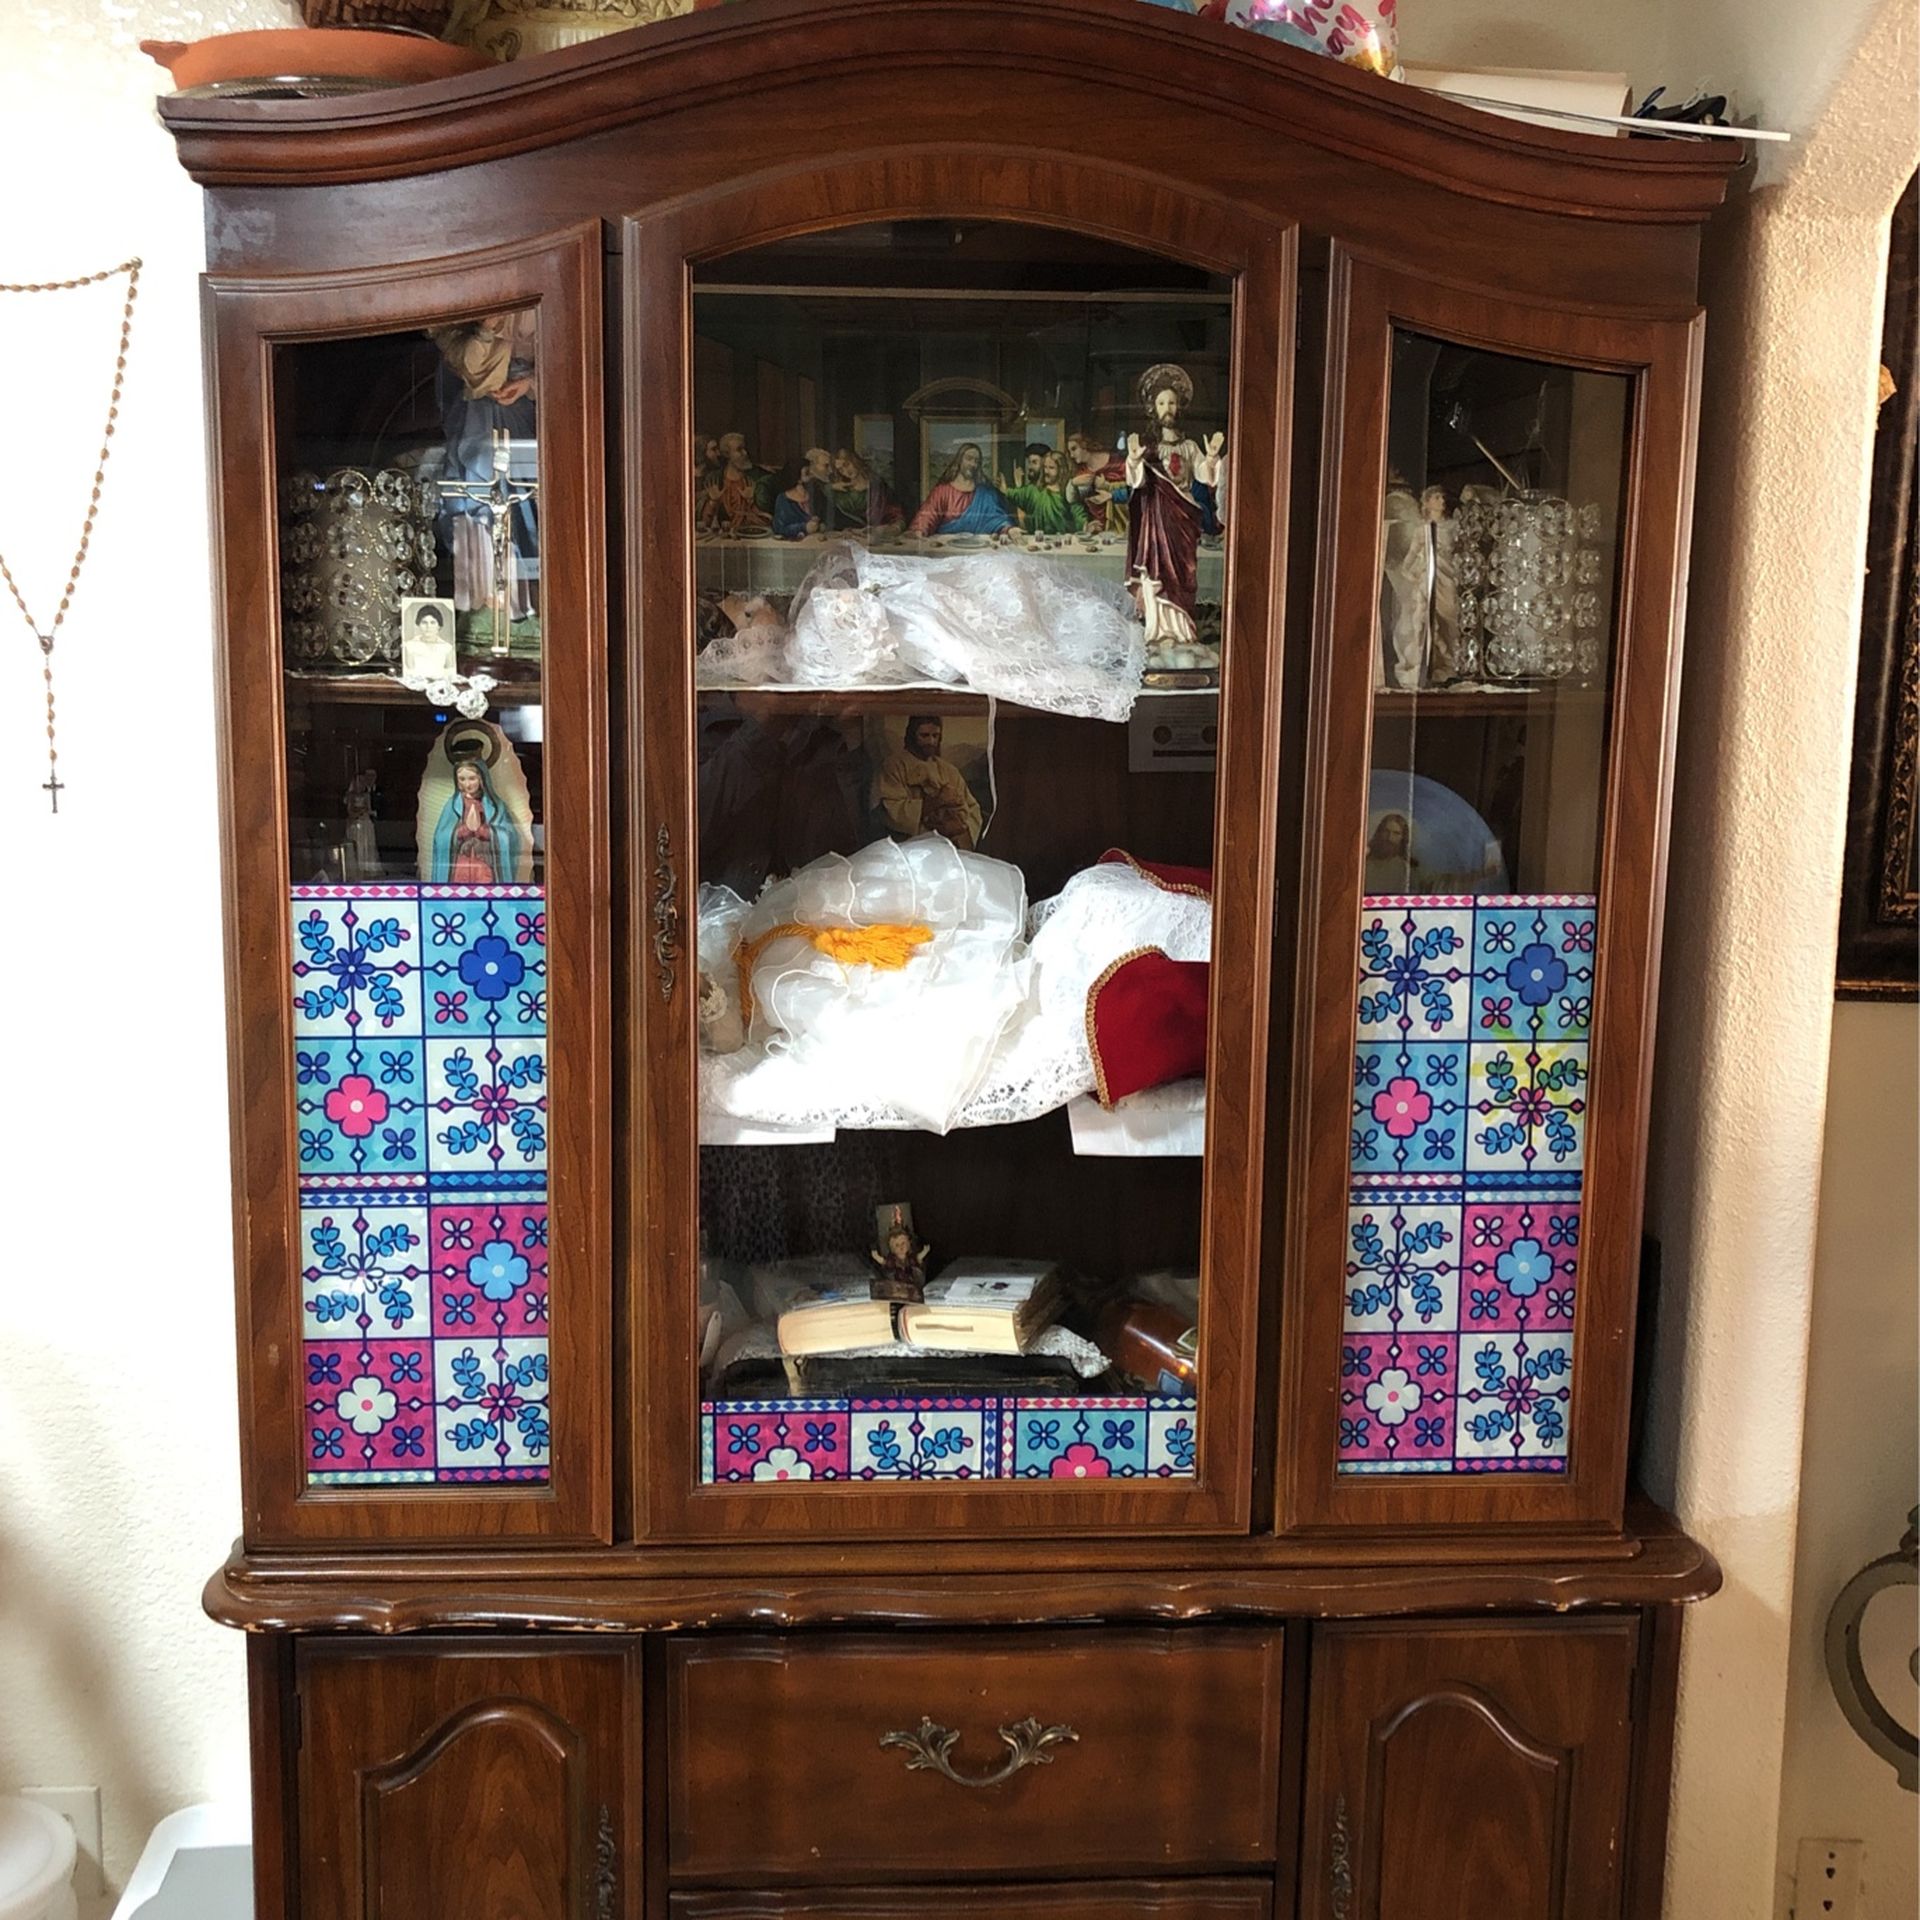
1793, 283
118, 1482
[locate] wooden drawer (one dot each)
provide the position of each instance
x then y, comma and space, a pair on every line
1116, 1900
795, 1759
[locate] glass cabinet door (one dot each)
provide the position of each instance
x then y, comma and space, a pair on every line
428, 722
1493, 840
959, 528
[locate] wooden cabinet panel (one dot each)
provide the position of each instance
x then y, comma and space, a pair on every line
1117, 1900
783, 1765
464, 1784
1462, 1770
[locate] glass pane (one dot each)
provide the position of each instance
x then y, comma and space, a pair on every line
959, 501
411, 631
1500, 539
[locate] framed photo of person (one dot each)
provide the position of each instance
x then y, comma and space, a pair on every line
427, 650
475, 821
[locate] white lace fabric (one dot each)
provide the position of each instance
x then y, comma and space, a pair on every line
984, 1026
1011, 625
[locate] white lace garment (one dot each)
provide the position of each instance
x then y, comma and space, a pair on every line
983, 1026
1012, 625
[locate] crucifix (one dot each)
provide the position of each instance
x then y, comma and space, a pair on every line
499, 494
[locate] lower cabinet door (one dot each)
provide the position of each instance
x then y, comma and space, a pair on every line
469, 1782
1117, 1900
1458, 1771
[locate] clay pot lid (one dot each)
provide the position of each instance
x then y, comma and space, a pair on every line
310, 60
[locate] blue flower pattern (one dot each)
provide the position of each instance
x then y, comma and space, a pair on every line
436, 998
1466, 1215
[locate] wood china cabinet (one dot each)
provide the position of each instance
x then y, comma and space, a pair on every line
691, 381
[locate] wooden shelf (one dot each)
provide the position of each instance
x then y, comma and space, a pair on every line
913, 699
384, 690
1460, 703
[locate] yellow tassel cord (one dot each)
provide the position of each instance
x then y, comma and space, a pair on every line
887, 945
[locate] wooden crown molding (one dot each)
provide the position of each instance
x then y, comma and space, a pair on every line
654, 72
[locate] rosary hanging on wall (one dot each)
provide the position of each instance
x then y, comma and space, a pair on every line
53, 784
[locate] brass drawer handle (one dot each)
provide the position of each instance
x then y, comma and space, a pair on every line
1028, 1744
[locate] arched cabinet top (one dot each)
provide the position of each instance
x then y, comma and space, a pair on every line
678, 109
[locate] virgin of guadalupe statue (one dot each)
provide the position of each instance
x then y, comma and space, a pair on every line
486, 387
1173, 491
475, 843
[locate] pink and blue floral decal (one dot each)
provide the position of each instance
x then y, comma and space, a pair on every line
1467, 1155
420, 1093
967, 1437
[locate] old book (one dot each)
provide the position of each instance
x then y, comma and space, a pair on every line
835, 1319
978, 1305
981, 1305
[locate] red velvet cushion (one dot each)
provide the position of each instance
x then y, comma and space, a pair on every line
1147, 1022
1175, 879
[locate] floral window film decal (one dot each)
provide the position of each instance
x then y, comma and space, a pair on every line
1467, 1157
420, 1087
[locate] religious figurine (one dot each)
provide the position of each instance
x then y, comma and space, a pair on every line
362, 847
903, 1266
1404, 560
1444, 661
743, 499
961, 501
722, 1029
860, 499
1173, 490
474, 844
486, 392
1043, 504
919, 792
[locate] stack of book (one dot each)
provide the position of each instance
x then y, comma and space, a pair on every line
978, 1305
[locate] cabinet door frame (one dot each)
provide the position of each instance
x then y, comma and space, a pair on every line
475, 1685
246, 318
1446, 1666
1661, 356
663, 249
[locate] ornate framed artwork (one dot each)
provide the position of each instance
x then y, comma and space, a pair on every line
1879, 955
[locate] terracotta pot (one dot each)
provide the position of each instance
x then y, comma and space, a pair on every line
364, 57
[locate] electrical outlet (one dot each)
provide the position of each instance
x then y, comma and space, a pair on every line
1826, 1880
80, 1808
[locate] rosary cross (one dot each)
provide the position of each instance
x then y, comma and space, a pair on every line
52, 786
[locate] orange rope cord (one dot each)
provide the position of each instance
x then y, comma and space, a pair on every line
887, 945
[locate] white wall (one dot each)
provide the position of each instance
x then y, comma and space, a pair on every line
1861, 1461
118, 1479
117, 1450
1621, 36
